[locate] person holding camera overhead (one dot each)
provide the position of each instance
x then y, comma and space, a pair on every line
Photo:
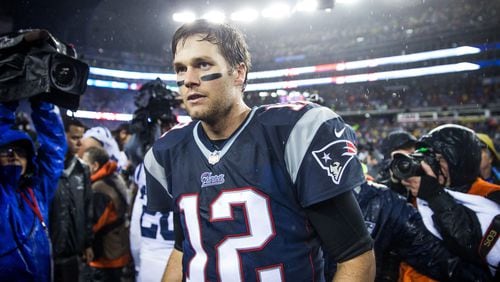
151, 232
29, 173
28, 180
456, 205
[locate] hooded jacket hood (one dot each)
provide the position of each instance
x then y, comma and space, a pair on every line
21, 138
460, 148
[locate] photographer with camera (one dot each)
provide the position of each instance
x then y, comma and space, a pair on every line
400, 237
151, 235
396, 141
37, 66
455, 203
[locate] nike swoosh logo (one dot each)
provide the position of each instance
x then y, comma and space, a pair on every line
339, 133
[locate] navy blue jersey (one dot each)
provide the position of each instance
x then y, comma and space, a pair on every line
242, 207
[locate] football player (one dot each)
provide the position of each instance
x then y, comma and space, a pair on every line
256, 193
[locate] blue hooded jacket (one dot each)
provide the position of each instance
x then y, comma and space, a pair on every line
25, 248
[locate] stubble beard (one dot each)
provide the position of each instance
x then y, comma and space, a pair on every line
213, 113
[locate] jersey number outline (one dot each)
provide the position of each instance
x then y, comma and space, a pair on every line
151, 220
260, 230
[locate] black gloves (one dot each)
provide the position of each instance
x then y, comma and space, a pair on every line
429, 188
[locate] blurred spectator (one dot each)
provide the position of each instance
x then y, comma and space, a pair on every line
70, 214
111, 225
102, 137
122, 135
449, 189
27, 185
490, 159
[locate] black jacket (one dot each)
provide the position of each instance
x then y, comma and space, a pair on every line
400, 235
70, 214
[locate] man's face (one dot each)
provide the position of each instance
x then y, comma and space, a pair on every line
486, 162
206, 99
74, 138
13, 154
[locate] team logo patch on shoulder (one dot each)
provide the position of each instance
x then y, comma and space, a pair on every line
207, 179
335, 157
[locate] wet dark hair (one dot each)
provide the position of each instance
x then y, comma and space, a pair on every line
231, 41
71, 121
99, 155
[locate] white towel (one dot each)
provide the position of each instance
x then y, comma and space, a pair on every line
485, 210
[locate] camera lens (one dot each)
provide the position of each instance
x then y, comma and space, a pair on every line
404, 166
63, 75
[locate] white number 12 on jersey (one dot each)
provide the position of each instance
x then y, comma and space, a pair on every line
260, 227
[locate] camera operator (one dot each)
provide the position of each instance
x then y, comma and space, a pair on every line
38, 67
444, 175
151, 235
400, 236
28, 180
399, 141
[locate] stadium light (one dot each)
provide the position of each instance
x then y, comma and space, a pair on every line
306, 5
276, 11
132, 74
100, 115
365, 77
245, 15
115, 116
184, 17
215, 16
341, 66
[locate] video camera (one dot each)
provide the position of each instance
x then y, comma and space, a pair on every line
154, 102
404, 166
34, 63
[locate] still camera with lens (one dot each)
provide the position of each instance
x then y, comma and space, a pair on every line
405, 166
35, 63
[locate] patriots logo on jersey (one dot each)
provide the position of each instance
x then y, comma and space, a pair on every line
207, 179
335, 157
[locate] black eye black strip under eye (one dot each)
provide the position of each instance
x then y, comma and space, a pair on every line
207, 77
211, 76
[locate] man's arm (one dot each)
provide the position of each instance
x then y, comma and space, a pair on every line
360, 268
52, 140
173, 271
340, 225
